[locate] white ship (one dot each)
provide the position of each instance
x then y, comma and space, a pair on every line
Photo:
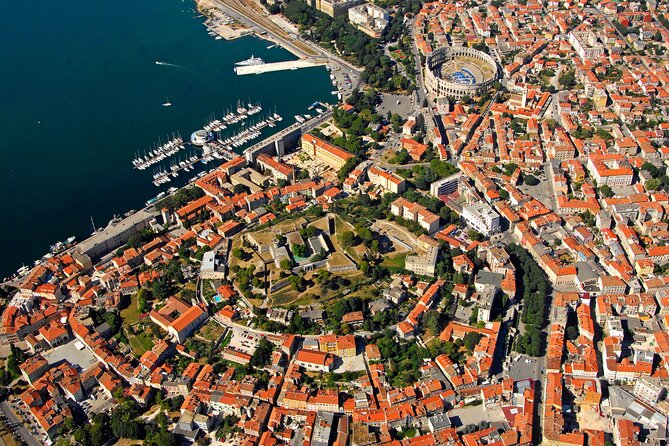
251, 61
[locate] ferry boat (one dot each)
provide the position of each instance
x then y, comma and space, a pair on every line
250, 61
62, 246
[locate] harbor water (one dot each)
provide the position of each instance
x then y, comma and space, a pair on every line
81, 95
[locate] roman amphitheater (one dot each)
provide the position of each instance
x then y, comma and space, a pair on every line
459, 71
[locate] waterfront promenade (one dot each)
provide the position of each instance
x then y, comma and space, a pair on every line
278, 66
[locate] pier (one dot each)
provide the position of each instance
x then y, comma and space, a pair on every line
278, 66
290, 136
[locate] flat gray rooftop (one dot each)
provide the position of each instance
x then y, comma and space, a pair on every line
68, 352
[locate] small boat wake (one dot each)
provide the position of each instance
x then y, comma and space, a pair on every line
158, 62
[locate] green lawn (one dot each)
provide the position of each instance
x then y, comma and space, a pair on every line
130, 314
226, 340
284, 297
211, 331
208, 290
397, 261
140, 343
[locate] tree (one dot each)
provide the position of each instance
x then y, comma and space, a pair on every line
179, 199
142, 305
187, 294
651, 169
83, 437
263, 354
588, 218
160, 288
307, 232
300, 250
322, 276
124, 423
227, 427
161, 438
567, 79
113, 320
653, 184
471, 340
285, 264
530, 180
433, 322
474, 316
297, 282
348, 239
240, 189
533, 287
606, 191
100, 430
238, 253
347, 168
605, 135
442, 168
401, 157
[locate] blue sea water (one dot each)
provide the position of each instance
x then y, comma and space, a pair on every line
81, 94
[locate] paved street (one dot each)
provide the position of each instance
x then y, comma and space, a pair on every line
13, 420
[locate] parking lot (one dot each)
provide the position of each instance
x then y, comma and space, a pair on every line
97, 402
21, 422
345, 81
244, 341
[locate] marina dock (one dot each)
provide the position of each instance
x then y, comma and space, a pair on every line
278, 66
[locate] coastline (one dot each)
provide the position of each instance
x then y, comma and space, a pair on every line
258, 23
221, 23
190, 83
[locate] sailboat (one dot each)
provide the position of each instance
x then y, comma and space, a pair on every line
167, 103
